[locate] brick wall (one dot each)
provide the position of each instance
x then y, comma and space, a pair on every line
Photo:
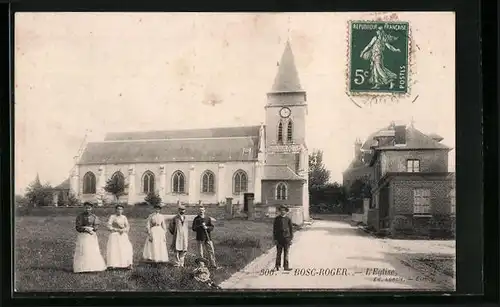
402, 193
269, 193
430, 160
439, 224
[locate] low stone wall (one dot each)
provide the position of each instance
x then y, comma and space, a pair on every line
373, 219
357, 217
435, 226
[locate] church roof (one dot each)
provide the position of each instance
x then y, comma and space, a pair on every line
287, 78
171, 150
63, 185
222, 132
280, 172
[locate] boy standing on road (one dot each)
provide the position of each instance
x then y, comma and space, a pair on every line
283, 236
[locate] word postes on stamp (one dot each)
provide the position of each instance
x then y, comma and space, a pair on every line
378, 57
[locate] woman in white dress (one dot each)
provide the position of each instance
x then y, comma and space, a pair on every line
119, 249
87, 256
155, 248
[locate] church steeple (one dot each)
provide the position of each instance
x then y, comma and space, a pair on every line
287, 79
286, 107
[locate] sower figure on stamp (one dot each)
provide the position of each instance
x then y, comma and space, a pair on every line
283, 236
374, 52
203, 227
179, 229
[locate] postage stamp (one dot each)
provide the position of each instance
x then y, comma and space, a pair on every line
378, 57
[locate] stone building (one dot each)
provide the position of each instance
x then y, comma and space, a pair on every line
412, 190
266, 162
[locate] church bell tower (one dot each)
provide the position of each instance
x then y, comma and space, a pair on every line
286, 107
286, 112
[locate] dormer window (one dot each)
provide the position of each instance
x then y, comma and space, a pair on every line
413, 166
400, 136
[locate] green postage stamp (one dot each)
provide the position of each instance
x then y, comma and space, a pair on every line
378, 57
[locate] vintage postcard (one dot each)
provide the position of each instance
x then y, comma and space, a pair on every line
234, 151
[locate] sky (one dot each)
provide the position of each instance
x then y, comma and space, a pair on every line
80, 74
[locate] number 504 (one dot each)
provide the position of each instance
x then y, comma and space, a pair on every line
360, 76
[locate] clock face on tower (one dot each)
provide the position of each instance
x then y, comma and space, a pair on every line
285, 112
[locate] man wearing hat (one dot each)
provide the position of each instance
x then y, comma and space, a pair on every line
282, 235
203, 227
179, 229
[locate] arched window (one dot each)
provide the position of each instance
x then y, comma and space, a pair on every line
118, 176
240, 182
148, 182
208, 182
89, 183
178, 181
281, 191
120, 179
289, 132
280, 132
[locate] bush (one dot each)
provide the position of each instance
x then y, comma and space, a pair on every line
21, 201
141, 204
153, 198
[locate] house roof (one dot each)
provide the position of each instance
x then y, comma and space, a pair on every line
171, 150
362, 161
415, 140
280, 172
287, 78
63, 185
222, 132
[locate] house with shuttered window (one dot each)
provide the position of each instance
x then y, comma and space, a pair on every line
412, 191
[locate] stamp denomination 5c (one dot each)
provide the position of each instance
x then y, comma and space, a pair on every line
378, 57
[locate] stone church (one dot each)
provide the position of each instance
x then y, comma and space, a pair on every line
266, 162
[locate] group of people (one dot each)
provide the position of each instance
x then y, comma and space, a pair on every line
119, 251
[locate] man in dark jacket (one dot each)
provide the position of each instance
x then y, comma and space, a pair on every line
283, 235
203, 227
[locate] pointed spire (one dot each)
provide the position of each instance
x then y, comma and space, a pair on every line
287, 78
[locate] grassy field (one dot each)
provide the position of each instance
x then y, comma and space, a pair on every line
44, 251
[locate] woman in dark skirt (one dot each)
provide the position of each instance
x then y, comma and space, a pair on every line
87, 256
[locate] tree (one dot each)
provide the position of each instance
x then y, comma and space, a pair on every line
116, 185
360, 189
329, 198
318, 174
38, 194
153, 198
